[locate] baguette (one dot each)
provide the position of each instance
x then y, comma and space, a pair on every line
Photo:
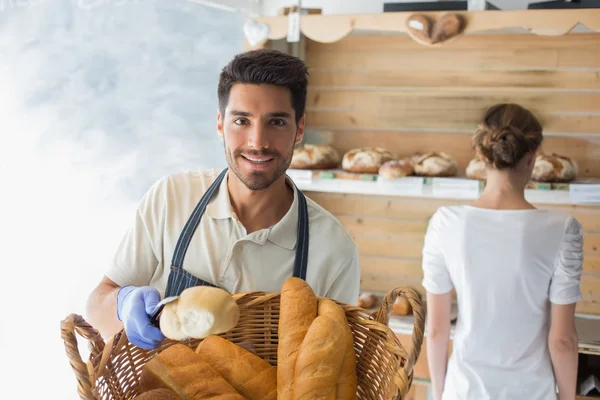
298, 310
253, 377
320, 360
347, 381
180, 369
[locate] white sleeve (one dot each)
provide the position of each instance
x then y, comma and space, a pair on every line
436, 278
138, 254
346, 286
565, 287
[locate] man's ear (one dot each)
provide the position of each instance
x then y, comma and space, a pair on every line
300, 131
220, 124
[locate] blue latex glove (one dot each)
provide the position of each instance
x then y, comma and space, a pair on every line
134, 306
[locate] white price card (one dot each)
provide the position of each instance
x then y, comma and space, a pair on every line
300, 175
455, 188
409, 185
583, 193
293, 27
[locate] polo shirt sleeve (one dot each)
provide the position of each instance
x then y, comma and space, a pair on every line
138, 253
346, 286
436, 278
565, 287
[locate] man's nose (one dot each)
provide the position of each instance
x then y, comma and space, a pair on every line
257, 137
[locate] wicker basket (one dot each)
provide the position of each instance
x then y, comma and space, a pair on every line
384, 368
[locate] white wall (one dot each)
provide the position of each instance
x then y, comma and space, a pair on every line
270, 7
98, 99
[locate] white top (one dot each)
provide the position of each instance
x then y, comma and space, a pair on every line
222, 253
506, 267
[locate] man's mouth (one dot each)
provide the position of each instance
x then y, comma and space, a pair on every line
258, 159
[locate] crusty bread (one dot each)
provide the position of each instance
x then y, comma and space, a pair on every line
420, 27
447, 27
395, 169
199, 311
401, 307
476, 169
366, 159
180, 369
298, 310
158, 394
347, 380
253, 377
320, 360
554, 168
367, 300
435, 164
315, 156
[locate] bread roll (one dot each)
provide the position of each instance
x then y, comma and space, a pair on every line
395, 169
554, 168
401, 307
320, 359
180, 369
447, 27
253, 377
419, 27
435, 164
347, 383
298, 310
476, 170
158, 394
199, 311
366, 159
315, 156
367, 300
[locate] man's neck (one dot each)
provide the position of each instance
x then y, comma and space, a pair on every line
259, 209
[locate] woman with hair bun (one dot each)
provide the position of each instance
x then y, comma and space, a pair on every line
516, 271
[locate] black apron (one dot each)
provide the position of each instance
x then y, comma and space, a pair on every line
180, 279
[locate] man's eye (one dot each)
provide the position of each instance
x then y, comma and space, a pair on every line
240, 121
277, 122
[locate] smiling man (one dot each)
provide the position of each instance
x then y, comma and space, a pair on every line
244, 228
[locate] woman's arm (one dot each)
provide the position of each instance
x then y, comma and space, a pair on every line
564, 352
438, 338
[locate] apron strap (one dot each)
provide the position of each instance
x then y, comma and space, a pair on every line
192, 223
301, 261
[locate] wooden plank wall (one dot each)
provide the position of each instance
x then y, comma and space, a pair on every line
389, 91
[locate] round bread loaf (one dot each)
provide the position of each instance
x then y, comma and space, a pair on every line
366, 159
315, 156
435, 164
401, 307
476, 169
554, 168
367, 300
395, 169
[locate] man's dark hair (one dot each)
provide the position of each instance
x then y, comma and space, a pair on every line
266, 66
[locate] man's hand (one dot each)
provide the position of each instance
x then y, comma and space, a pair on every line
134, 306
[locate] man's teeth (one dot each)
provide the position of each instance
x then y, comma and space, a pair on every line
258, 160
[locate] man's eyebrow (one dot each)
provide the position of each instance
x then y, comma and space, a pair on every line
240, 113
277, 114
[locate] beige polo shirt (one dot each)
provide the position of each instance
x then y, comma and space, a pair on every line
223, 253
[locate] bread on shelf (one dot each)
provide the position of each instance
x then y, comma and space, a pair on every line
366, 159
395, 169
476, 169
554, 168
401, 307
435, 164
367, 300
315, 156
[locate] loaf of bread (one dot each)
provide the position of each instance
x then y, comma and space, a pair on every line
158, 394
447, 27
476, 169
395, 169
347, 380
420, 27
253, 377
401, 307
315, 156
367, 300
320, 360
435, 164
366, 159
199, 311
554, 168
180, 369
298, 310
